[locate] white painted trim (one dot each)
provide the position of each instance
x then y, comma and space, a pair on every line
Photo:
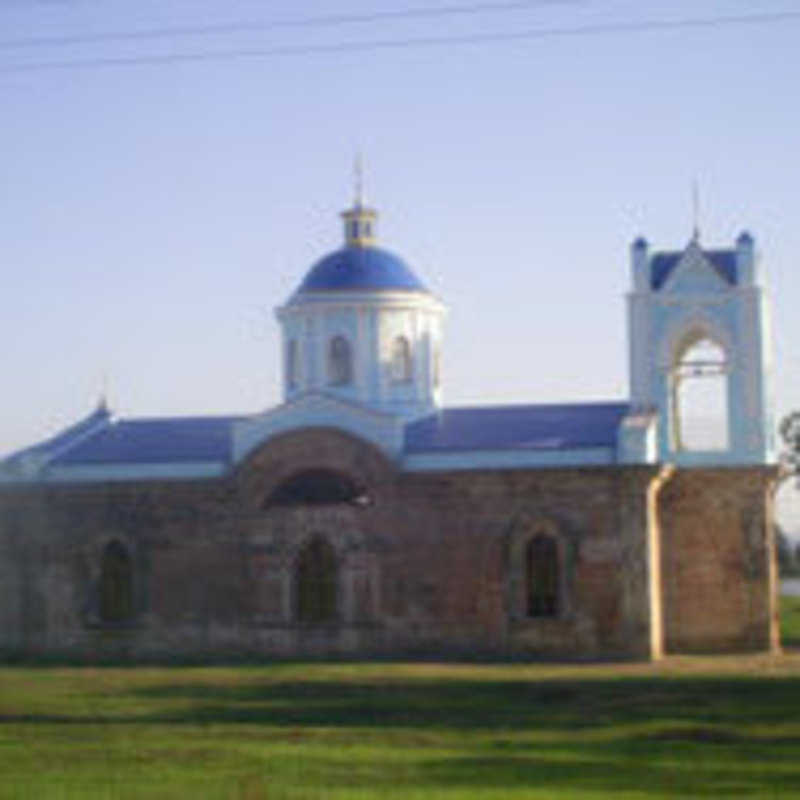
99, 473
694, 260
320, 410
688, 459
333, 299
509, 459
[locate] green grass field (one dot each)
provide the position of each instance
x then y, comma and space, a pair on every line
686, 727
790, 621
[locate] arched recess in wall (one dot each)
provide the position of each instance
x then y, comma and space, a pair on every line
537, 571
115, 596
340, 362
698, 378
437, 365
542, 577
316, 582
318, 487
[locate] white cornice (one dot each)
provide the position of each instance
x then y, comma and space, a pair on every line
389, 300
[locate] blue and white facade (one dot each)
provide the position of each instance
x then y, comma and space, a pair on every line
362, 341
363, 328
361, 515
679, 299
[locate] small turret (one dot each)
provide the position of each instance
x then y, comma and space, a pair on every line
640, 265
745, 260
359, 226
359, 221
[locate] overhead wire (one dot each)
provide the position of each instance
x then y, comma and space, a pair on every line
599, 29
328, 20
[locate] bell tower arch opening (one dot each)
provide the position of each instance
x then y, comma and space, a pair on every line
699, 395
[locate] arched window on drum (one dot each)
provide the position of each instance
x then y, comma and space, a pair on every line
292, 364
402, 367
340, 362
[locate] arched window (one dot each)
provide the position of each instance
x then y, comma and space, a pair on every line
315, 582
699, 382
437, 366
541, 577
401, 360
116, 584
317, 487
292, 359
340, 362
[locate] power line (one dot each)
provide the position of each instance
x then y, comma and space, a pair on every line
252, 26
645, 26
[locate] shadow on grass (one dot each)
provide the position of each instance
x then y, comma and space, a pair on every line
454, 703
659, 736
551, 704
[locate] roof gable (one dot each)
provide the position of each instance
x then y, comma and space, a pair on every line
693, 270
319, 410
29, 461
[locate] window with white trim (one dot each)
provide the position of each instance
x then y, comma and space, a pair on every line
340, 362
402, 367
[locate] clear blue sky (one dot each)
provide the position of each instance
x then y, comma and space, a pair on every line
152, 216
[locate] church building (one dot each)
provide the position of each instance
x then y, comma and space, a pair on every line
362, 517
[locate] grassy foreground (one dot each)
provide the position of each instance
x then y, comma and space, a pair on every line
790, 621
687, 727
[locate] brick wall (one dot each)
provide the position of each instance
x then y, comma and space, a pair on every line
429, 564
718, 567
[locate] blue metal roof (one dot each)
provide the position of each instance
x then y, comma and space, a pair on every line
539, 427
357, 268
183, 440
155, 441
662, 264
66, 438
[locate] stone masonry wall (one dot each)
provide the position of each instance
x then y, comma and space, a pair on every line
429, 563
718, 562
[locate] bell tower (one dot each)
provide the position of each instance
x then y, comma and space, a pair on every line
700, 352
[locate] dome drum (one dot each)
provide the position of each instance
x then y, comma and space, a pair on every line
363, 327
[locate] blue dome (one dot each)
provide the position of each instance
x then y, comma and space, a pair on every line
361, 268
